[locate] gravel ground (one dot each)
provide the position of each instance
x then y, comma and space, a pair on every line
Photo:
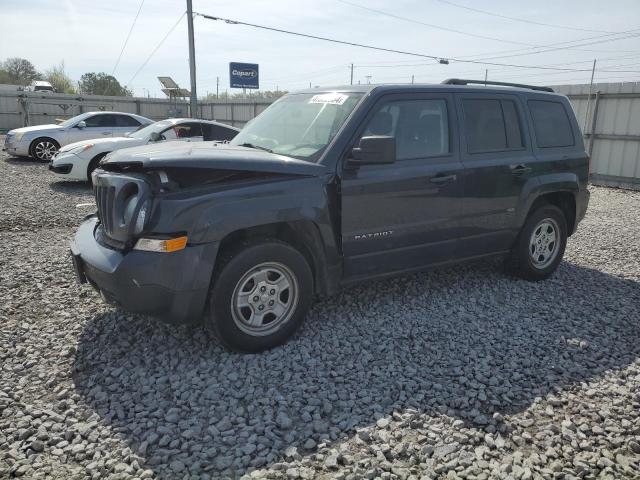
456, 373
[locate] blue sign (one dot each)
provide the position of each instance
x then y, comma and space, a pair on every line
243, 75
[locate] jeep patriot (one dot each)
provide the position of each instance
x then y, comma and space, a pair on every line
328, 187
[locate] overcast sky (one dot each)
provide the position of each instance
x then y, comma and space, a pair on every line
88, 35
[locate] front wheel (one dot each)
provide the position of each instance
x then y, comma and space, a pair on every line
43, 148
540, 245
259, 297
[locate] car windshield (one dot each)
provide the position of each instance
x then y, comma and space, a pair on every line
73, 120
299, 125
144, 132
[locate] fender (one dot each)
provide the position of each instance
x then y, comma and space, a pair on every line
541, 185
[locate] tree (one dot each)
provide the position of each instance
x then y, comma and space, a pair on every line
5, 78
57, 77
102, 84
20, 71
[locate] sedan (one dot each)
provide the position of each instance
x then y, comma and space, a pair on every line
78, 160
43, 141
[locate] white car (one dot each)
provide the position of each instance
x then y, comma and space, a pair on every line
43, 141
78, 160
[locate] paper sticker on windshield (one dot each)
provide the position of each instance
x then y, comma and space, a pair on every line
330, 98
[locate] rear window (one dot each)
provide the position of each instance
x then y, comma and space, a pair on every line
551, 124
492, 125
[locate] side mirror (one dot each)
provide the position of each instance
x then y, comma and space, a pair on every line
81, 124
374, 150
155, 137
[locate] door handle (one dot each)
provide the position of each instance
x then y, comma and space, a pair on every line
442, 179
106, 133
519, 169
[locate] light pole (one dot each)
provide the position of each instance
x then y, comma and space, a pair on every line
192, 61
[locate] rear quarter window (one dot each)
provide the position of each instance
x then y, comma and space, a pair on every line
551, 124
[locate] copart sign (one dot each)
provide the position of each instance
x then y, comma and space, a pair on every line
243, 75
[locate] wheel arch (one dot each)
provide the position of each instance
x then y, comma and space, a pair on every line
303, 235
93, 163
556, 189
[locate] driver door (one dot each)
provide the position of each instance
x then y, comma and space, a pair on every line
404, 215
99, 125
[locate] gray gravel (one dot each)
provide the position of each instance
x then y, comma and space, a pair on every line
456, 373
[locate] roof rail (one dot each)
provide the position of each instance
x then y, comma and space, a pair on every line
460, 81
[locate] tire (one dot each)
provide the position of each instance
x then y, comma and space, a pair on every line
245, 283
43, 148
540, 245
93, 164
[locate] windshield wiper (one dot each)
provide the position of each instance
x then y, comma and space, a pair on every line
251, 145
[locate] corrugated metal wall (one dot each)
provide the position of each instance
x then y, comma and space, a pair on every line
45, 108
610, 119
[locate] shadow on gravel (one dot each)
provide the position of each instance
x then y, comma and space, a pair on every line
465, 342
25, 161
71, 187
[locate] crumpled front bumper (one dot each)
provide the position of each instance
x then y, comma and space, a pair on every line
171, 286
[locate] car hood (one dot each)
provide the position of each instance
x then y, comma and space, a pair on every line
37, 128
210, 155
109, 143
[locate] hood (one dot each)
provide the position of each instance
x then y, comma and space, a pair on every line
37, 128
210, 155
112, 142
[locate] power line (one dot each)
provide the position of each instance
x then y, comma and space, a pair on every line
127, 39
156, 48
438, 27
532, 46
382, 49
523, 20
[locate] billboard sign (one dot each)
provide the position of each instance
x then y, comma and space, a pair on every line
243, 75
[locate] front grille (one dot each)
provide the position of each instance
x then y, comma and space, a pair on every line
105, 199
113, 191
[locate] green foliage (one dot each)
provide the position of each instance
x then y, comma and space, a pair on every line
18, 71
57, 77
102, 84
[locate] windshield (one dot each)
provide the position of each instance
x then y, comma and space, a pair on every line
73, 120
299, 125
144, 132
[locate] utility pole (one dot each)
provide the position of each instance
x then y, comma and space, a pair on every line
412, 79
217, 86
588, 112
486, 74
192, 61
351, 83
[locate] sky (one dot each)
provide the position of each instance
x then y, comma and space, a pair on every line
88, 35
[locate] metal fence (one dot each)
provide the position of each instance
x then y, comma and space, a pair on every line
609, 114
19, 109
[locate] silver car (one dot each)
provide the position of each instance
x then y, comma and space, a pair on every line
43, 141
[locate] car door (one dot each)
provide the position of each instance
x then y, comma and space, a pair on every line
99, 125
404, 215
124, 125
498, 159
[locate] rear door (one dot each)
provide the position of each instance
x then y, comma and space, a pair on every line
404, 215
498, 161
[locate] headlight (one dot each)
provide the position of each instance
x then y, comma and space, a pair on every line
19, 136
78, 149
129, 211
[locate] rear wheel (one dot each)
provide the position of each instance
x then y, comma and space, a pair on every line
43, 148
540, 245
260, 296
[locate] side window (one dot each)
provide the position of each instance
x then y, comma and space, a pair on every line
188, 130
94, 121
551, 124
127, 121
491, 125
222, 133
420, 127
